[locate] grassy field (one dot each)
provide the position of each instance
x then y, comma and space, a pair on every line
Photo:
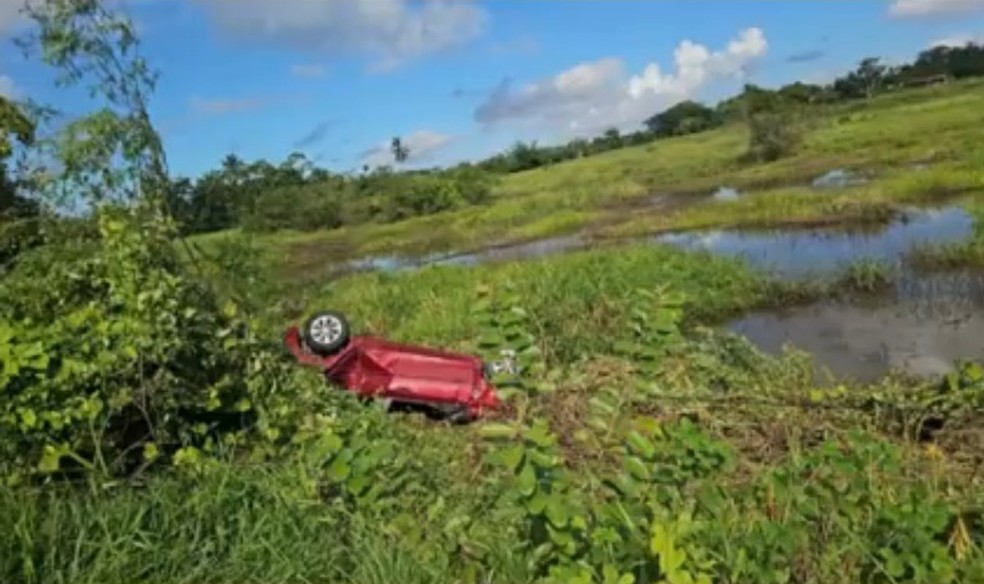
641, 445
938, 126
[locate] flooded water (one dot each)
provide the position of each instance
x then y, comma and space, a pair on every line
799, 253
920, 326
393, 263
783, 253
925, 324
838, 179
726, 194
669, 202
521, 251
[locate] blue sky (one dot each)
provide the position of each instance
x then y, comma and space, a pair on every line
460, 79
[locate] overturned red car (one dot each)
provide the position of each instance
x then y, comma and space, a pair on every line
455, 386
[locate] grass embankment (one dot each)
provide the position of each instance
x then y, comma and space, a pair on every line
886, 137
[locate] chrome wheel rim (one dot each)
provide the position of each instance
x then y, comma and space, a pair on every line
326, 329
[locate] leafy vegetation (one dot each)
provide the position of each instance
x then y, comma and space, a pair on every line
151, 430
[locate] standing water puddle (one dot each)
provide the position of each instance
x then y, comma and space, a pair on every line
726, 194
522, 251
788, 254
792, 254
838, 179
921, 328
519, 251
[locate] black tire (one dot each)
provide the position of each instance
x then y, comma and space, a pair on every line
454, 414
326, 332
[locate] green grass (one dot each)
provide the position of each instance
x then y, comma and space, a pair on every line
822, 493
969, 254
874, 202
939, 125
579, 300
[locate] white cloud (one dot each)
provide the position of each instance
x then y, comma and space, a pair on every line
594, 95
10, 15
957, 40
8, 88
923, 8
309, 70
392, 31
220, 106
421, 145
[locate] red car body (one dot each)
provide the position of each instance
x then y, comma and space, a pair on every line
378, 368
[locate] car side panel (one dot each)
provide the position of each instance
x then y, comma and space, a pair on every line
377, 367
422, 376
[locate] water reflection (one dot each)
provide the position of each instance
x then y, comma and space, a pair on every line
838, 179
804, 252
925, 324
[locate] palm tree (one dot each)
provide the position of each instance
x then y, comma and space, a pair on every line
400, 151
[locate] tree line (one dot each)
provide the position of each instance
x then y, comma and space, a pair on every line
297, 194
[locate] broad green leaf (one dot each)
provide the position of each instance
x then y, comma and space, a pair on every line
513, 456
537, 504
527, 480
338, 470
663, 545
150, 452
357, 484
50, 459
557, 511
29, 418
498, 432
637, 468
641, 445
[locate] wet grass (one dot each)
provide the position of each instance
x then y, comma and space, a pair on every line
874, 202
580, 301
865, 277
969, 254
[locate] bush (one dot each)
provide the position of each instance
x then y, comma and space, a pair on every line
306, 208
112, 358
772, 135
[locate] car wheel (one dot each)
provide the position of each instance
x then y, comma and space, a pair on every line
326, 332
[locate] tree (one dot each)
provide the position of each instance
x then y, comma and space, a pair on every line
612, 138
685, 117
871, 73
400, 150
577, 148
14, 126
800, 93
523, 156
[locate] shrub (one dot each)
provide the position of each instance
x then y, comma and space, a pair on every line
112, 358
772, 135
307, 208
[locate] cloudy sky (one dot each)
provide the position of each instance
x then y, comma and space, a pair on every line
459, 79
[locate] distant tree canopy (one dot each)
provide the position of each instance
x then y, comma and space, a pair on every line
685, 117
955, 62
14, 127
